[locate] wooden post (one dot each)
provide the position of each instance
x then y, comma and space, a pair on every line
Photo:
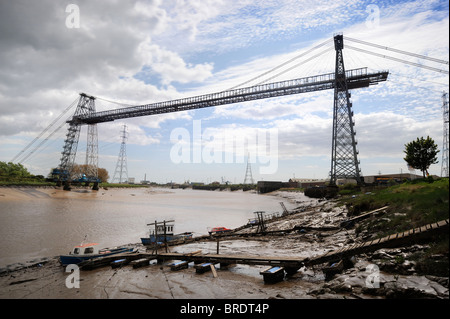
156, 237
213, 269
165, 235
217, 245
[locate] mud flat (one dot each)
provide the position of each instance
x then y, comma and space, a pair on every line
392, 279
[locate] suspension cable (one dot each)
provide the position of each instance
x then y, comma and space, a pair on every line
44, 141
282, 65
113, 102
45, 130
398, 60
293, 67
398, 51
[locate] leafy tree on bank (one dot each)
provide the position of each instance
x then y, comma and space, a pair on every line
421, 153
13, 171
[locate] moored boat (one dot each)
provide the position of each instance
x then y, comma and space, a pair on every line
163, 232
218, 230
160, 238
85, 252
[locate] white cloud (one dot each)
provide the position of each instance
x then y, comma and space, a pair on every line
139, 52
42, 60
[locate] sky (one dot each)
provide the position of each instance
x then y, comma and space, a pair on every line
132, 52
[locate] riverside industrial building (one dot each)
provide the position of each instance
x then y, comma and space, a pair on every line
380, 179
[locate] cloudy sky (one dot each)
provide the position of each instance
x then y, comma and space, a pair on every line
134, 52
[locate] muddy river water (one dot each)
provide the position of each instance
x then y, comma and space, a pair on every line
45, 222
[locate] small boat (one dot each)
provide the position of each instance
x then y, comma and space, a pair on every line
218, 230
160, 238
89, 251
161, 234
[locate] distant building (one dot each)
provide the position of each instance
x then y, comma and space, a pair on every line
386, 178
131, 180
306, 182
268, 186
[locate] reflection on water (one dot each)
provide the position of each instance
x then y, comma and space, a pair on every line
49, 222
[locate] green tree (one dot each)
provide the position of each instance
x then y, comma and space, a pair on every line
421, 153
11, 170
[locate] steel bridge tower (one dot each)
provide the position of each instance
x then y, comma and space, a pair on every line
344, 161
121, 166
64, 173
444, 164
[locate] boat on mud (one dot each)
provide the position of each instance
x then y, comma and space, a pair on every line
160, 239
218, 230
163, 232
89, 251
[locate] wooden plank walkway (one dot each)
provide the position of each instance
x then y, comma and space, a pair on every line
395, 240
234, 259
399, 239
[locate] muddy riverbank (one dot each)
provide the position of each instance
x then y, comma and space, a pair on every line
395, 275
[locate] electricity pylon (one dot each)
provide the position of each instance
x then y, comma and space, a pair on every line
248, 173
121, 166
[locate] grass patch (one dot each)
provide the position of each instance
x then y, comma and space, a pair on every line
410, 205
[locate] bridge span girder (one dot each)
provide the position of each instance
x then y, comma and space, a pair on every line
344, 162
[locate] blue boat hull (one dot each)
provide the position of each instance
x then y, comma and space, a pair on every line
74, 259
151, 240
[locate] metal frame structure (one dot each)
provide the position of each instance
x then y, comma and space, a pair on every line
248, 173
356, 78
121, 166
344, 154
85, 107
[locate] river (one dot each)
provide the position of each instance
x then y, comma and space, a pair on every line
46, 222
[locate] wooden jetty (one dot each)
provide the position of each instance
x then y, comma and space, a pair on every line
290, 264
390, 241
